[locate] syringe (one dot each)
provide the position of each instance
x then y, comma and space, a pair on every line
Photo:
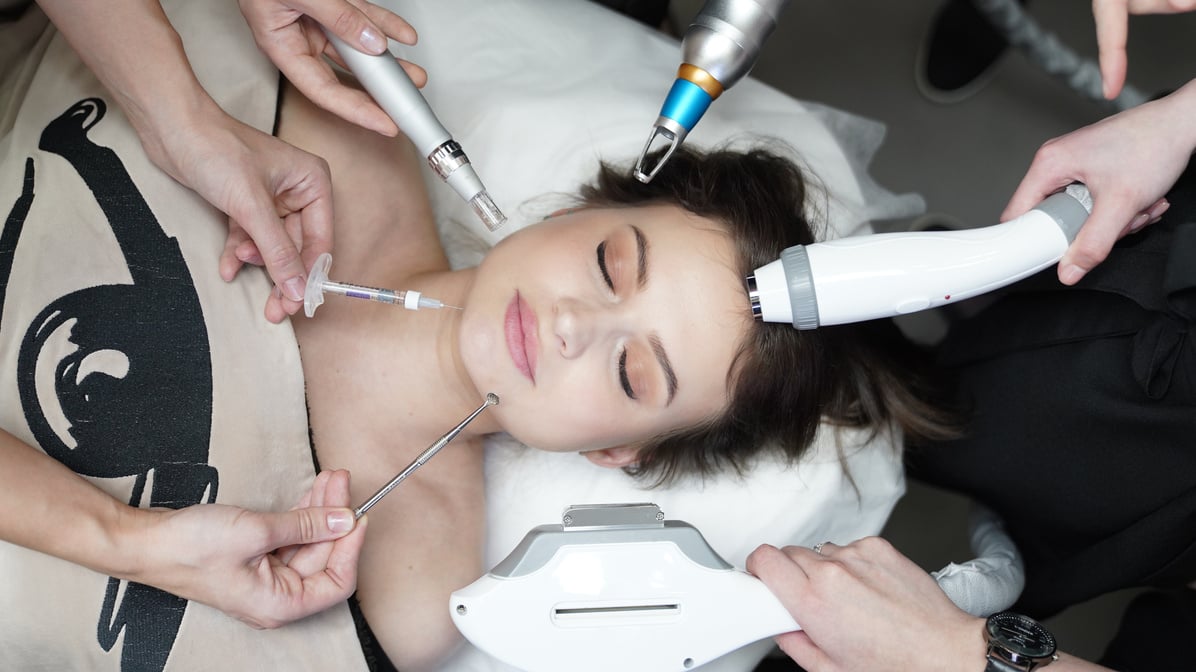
318, 283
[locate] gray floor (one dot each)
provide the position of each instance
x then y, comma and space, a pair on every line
966, 159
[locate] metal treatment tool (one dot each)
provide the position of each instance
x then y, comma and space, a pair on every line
491, 400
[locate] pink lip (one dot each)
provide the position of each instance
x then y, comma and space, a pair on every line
520, 325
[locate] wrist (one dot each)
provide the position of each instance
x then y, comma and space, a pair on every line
131, 554
1184, 104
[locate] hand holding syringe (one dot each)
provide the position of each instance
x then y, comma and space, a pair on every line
318, 283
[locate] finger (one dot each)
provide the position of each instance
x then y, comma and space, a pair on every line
230, 262
1096, 237
350, 24
803, 651
247, 253
316, 80
824, 549
337, 491
308, 526
310, 223
279, 253
1112, 31
275, 310
339, 578
1043, 178
418, 75
391, 24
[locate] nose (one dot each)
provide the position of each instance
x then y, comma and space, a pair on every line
577, 325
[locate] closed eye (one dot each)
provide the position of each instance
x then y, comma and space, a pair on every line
602, 266
623, 379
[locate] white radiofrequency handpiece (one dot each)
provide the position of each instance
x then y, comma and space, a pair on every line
397, 95
616, 587
888, 274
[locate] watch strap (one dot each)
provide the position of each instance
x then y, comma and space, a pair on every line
998, 665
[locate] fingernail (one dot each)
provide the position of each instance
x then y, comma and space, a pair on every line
1071, 274
294, 288
372, 41
1139, 221
1159, 208
340, 521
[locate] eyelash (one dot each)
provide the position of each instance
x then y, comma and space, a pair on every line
602, 265
626, 382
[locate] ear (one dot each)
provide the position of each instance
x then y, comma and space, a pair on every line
615, 458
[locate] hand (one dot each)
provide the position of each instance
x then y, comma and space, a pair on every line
289, 32
865, 606
1128, 161
278, 198
266, 569
1112, 29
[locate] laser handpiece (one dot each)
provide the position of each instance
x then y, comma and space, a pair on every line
889, 274
318, 283
395, 93
718, 49
491, 400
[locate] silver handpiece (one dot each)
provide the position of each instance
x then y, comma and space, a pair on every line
397, 95
718, 49
491, 400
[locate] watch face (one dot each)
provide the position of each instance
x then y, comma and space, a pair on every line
1021, 635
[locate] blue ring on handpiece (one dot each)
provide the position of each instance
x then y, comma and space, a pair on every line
686, 103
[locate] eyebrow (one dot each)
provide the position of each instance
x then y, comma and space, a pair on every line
641, 245
670, 376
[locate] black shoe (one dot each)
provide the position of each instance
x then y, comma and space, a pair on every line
960, 53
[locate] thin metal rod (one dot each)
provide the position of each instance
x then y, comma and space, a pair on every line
491, 400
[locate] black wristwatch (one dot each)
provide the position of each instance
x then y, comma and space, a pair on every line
1017, 643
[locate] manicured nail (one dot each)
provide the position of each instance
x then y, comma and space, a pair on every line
294, 288
1140, 220
1158, 209
1071, 274
372, 41
340, 521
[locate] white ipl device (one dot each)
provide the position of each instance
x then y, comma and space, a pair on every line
615, 587
888, 274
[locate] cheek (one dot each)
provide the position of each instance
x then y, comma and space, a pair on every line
565, 421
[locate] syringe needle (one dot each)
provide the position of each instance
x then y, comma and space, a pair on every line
491, 400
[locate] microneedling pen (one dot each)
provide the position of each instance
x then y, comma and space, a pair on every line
397, 95
491, 400
318, 283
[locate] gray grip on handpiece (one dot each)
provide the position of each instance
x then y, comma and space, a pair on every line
1069, 208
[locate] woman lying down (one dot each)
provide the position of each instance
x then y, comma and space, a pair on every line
618, 328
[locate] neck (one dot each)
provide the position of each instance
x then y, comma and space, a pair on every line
435, 393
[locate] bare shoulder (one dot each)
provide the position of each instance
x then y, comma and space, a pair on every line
383, 223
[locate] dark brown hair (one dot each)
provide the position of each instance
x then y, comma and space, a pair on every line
784, 382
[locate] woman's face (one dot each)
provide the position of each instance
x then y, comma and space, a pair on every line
606, 327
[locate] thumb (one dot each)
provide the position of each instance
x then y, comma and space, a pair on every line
275, 246
310, 525
349, 24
